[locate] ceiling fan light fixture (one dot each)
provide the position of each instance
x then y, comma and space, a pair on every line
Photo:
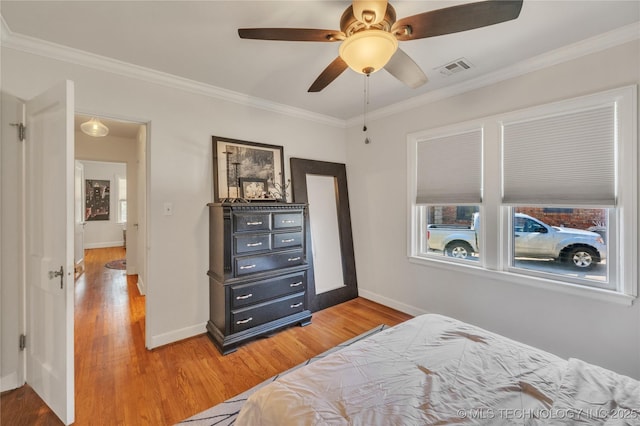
370, 12
95, 128
368, 51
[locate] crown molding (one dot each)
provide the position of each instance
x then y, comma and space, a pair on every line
567, 53
59, 52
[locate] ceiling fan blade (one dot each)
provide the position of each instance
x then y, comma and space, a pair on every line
402, 67
329, 74
456, 18
291, 34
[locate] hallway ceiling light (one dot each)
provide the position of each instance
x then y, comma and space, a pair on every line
94, 128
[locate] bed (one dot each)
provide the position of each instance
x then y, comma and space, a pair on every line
435, 370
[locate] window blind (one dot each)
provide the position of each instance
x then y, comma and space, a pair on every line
449, 169
564, 159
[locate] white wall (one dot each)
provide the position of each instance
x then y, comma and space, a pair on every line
105, 233
11, 314
570, 326
179, 169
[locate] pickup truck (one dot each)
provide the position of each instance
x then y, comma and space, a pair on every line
532, 239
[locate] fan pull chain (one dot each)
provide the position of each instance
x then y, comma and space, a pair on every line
366, 107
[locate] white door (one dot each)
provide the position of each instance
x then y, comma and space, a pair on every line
49, 248
78, 225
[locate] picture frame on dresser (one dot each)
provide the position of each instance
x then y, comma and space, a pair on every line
235, 160
254, 189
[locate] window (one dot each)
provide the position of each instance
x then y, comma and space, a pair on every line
557, 210
449, 195
556, 189
448, 235
562, 155
122, 199
573, 246
465, 213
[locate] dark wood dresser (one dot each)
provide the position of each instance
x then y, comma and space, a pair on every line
257, 270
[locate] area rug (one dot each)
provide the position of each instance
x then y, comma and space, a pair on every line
117, 264
225, 413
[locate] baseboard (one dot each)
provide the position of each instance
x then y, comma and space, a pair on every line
141, 288
383, 300
104, 244
176, 335
9, 382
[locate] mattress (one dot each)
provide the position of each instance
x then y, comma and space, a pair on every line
436, 370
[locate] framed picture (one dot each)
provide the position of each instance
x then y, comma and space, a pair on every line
236, 162
97, 199
254, 189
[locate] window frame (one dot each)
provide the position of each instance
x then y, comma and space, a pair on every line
495, 218
119, 201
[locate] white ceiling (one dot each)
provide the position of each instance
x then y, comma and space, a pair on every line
198, 40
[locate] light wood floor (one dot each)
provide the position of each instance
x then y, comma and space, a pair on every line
118, 381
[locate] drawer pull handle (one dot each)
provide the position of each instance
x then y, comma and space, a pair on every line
244, 321
246, 296
297, 305
248, 267
288, 221
290, 240
293, 259
254, 244
254, 223
299, 283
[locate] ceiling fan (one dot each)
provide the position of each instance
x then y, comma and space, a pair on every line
370, 33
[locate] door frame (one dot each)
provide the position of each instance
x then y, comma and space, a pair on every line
300, 168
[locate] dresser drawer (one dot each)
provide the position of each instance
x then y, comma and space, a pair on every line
289, 239
251, 243
266, 262
250, 317
287, 220
258, 292
243, 222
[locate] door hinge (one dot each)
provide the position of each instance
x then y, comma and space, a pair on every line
22, 131
23, 342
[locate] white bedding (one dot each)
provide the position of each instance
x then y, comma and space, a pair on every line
437, 370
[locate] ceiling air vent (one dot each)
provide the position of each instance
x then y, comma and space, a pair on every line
454, 67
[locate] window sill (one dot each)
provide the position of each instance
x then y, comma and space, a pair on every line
540, 283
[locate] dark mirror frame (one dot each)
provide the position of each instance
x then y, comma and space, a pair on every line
300, 168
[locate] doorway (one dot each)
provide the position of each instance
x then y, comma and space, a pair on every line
120, 159
126, 142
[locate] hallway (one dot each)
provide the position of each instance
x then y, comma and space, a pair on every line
109, 336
